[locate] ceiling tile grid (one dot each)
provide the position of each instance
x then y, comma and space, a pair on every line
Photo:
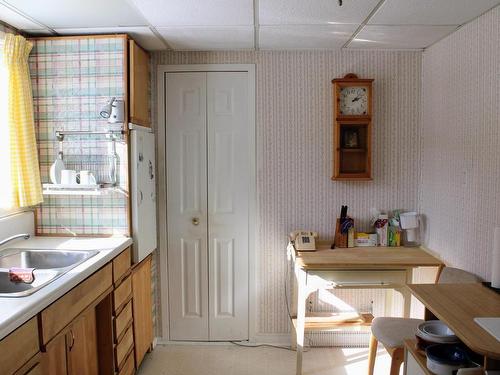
305, 36
251, 24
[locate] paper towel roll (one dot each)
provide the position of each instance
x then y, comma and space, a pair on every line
495, 261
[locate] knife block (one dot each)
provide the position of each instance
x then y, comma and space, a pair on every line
341, 240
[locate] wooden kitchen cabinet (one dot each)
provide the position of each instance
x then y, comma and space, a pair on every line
139, 85
81, 343
142, 304
75, 350
19, 347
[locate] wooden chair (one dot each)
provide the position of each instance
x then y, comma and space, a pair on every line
391, 332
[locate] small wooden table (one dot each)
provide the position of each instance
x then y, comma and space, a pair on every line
359, 267
457, 305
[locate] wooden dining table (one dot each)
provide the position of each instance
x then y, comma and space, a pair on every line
457, 305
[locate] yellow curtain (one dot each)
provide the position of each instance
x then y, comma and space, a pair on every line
25, 184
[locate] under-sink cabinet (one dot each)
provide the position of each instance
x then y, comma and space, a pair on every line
89, 330
19, 347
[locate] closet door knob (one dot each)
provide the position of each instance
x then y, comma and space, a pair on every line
195, 221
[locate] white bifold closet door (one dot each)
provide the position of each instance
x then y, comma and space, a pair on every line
208, 159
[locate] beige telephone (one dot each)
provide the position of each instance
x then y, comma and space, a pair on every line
304, 240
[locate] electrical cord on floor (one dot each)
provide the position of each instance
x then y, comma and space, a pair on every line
241, 343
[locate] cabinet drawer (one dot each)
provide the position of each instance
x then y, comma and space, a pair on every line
123, 320
368, 278
58, 315
18, 347
124, 347
129, 366
122, 295
121, 265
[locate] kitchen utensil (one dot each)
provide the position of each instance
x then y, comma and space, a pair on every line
409, 224
86, 178
446, 359
68, 177
435, 331
56, 168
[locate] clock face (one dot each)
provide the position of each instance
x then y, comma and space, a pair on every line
354, 101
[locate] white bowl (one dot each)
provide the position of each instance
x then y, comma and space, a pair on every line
436, 331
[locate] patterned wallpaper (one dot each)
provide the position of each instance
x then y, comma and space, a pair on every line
294, 152
72, 79
460, 150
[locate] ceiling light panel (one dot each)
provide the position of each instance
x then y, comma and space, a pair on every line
16, 20
430, 12
166, 13
208, 38
305, 12
142, 35
76, 13
399, 37
305, 36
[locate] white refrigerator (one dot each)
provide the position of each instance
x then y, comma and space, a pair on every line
143, 190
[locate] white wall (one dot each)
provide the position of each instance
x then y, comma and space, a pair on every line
23, 222
294, 152
460, 186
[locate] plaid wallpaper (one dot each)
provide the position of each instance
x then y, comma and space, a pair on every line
72, 79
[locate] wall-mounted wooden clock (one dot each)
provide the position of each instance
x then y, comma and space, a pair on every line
352, 128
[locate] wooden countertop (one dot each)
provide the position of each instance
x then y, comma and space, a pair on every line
365, 258
457, 305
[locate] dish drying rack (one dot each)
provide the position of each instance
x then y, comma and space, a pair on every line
89, 162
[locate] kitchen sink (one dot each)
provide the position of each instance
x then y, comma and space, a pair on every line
45, 259
47, 264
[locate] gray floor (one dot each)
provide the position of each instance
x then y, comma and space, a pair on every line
234, 360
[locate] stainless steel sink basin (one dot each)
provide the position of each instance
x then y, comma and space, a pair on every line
46, 259
48, 265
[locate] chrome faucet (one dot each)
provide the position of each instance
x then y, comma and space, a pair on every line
24, 235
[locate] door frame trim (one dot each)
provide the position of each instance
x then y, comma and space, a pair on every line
162, 70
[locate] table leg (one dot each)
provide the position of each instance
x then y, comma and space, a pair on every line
407, 294
293, 310
302, 294
407, 302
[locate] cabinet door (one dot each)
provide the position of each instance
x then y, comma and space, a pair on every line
37, 370
54, 358
139, 85
81, 340
187, 205
142, 309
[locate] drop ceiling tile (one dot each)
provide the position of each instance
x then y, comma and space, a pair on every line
305, 12
16, 20
430, 12
305, 36
399, 37
77, 13
141, 34
208, 38
167, 13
